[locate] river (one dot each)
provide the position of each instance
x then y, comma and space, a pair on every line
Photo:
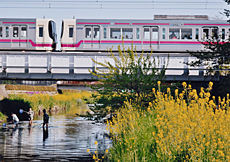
67, 139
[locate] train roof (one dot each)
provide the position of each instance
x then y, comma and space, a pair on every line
22, 19
19, 19
180, 17
150, 22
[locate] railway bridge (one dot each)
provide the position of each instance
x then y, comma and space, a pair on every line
74, 66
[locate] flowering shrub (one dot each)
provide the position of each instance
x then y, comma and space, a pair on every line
189, 127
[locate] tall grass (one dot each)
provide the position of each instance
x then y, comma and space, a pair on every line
30, 88
188, 127
46, 101
2, 117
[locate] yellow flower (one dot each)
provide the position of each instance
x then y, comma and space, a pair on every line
88, 150
176, 92
168, 90
95, 142
210, 84
148, 109
184, 84
153, 133
159, 82
150, 103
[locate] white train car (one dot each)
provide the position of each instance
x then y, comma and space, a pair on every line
175, 33
27, 34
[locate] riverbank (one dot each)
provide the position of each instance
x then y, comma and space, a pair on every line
39, 98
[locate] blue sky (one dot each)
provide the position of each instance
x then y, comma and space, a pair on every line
108, 9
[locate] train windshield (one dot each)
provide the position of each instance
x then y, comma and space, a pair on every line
62, 27
52, 31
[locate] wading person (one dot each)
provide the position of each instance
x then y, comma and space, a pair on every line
31, 116
45, 119
15, 119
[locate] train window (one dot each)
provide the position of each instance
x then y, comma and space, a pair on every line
229, 33
96, 33
223, 33
137, 33
87, 32
214, 33
186, 33
7, 31
154, 33
40, 31
70, 32
0, 31
15, 31
104, 32
23, 32
146, 33
163, 33
127, 33
205, 33
115, 33
174, 33
197, 33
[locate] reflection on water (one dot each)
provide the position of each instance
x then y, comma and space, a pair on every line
67, 138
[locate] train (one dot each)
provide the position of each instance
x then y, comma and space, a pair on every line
164, 33
31, 34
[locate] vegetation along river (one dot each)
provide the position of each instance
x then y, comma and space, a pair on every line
67, 139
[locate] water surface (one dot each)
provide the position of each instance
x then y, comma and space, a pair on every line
66, 139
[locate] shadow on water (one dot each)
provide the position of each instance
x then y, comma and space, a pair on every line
66, 139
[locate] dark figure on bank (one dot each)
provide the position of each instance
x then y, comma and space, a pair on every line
45, 119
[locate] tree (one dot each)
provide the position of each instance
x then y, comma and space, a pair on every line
226, 11
132, 77
216, 53
216, 57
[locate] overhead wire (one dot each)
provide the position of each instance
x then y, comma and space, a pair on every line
100, 4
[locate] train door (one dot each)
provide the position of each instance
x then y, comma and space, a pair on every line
96, 37
19, 36
92, 37
210, 32
23, 36
15, 41
151, 38
41, 34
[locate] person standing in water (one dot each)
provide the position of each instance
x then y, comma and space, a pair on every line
31, 116
15, 119
45, 119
